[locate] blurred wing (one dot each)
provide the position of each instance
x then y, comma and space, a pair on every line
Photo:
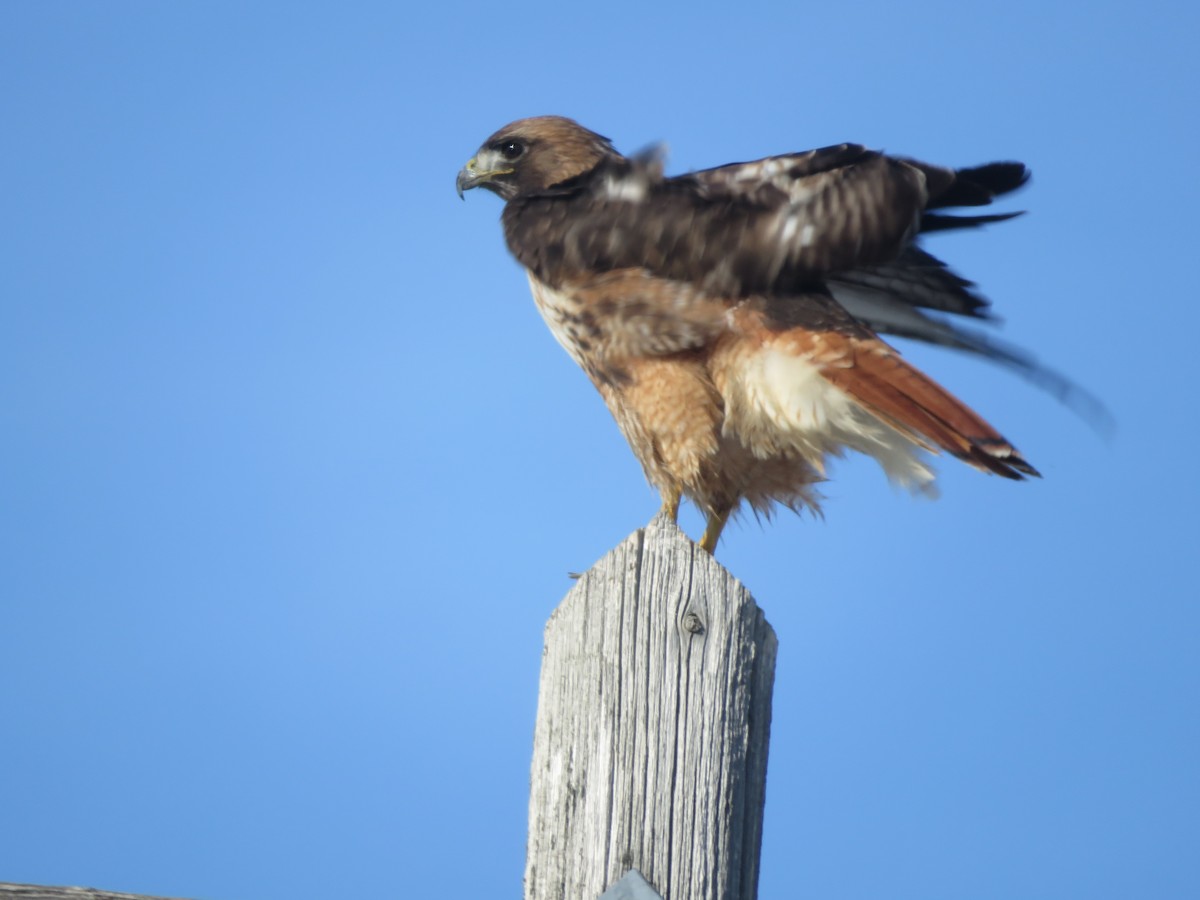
893, 299
774, 226
812, 213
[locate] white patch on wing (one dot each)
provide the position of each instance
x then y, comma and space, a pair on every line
778, 402
799, 193
760, 170
632, 190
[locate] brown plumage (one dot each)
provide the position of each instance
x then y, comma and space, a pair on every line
711, 310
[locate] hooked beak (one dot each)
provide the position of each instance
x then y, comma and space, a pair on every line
471, 176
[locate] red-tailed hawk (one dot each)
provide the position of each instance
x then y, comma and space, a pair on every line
728, 317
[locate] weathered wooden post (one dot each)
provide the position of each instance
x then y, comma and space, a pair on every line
650, 750
11, 891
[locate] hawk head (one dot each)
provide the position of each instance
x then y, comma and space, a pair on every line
530, 155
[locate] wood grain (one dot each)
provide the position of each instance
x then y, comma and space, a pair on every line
650, 749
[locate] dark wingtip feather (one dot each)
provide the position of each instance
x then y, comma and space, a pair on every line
979, 185
943, 222
915, 279
997, 177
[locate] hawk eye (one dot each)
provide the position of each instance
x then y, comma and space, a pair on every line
510, 150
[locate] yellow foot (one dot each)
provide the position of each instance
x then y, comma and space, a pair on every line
670, 503
712, 531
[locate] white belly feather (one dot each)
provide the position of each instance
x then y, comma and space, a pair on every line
560, 311
778, 402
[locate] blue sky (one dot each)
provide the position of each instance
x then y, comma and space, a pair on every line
294, 473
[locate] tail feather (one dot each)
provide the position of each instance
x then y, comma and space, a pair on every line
917, 406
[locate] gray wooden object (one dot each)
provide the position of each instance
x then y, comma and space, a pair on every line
632, 886
650, 749
9, 891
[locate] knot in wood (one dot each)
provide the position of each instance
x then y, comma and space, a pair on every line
692, 622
